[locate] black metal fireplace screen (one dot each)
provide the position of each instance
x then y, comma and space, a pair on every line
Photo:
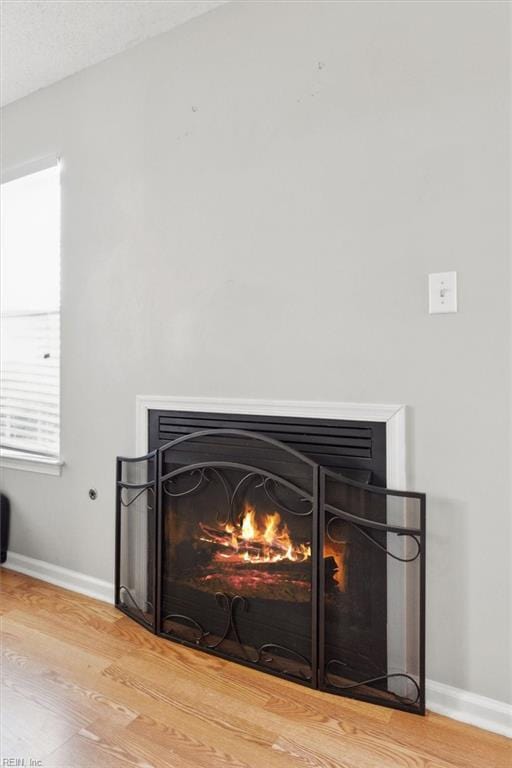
234, 543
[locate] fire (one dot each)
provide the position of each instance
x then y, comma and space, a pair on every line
253, 540
257, 539
249, 529
338, 555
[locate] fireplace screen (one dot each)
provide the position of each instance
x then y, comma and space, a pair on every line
234, 543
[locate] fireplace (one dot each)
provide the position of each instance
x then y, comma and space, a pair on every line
274, 542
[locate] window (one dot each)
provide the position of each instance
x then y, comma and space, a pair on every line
30, 317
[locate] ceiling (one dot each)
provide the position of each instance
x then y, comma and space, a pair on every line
43, 42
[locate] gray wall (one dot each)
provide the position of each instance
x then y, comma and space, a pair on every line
251, 205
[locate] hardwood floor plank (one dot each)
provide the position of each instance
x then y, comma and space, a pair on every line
305, 756
29, 729
64, 628
365, 749
47, 649
107, 746
39, 596
7, 604
203, 752
169, 701
452, 740
33, 690
51, 683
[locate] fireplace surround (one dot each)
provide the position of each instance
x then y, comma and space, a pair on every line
274, 542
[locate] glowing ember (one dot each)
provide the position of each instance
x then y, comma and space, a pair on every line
266, 540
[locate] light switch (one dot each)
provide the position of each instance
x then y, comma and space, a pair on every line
442, 292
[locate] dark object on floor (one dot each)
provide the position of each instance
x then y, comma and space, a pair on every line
4, 526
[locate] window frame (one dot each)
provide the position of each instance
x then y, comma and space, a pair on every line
11, 458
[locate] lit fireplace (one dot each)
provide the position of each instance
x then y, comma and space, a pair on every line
259, 554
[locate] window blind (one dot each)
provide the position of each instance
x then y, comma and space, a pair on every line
29, 383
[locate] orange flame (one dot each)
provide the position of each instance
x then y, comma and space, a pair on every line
268, 541
338, 555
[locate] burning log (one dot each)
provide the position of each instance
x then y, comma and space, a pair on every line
300, 571
262, 555
224, 546
247, 543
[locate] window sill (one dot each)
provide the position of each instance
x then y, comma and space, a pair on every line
28, 463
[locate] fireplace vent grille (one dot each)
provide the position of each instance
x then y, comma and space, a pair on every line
358, 449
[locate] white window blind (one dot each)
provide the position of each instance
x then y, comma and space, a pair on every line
30, 315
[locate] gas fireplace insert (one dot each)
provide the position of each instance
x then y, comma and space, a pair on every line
274, 543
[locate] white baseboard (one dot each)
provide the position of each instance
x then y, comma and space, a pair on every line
471, 708
455, 703
61, 577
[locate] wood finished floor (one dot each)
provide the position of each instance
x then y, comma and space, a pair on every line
84, 686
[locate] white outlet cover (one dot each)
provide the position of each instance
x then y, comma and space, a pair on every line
442, 292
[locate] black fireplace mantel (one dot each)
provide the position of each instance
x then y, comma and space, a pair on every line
230, 541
